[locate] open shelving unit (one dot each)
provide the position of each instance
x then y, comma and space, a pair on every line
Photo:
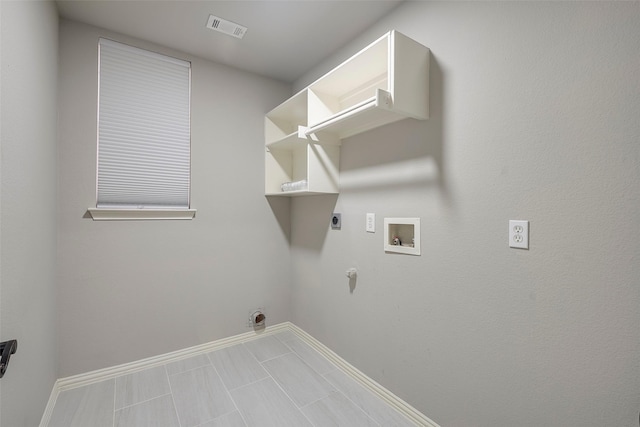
291, 155
385, 82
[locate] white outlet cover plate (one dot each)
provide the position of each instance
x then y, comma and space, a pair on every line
371, 223
518, 234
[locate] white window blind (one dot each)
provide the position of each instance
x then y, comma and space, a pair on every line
143, 129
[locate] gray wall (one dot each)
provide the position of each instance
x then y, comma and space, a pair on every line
28, 211
129, 290
535, 111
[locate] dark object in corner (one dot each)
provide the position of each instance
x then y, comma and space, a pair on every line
7, 348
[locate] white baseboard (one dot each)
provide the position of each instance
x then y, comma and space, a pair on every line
92, 377
48, 410
391, 399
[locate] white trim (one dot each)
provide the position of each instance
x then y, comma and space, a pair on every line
102, 214
48, 410
150, 362
388, 397
93, 377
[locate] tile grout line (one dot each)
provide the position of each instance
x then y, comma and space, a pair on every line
218, 417
316, 401
224, 384
237, 409
144, 401
313, 370
227, 388
252, 355
346, 397
129, 385
302, 341
271, 358
175, 408
276, 357
352, 401
251, 383
290, 399
190, 369
276, 382
114, 402
316, 352
284, 341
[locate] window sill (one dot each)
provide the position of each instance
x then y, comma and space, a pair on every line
102, 214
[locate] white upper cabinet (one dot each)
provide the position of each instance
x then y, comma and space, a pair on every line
385, 82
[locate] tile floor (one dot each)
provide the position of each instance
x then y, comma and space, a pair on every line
276, 380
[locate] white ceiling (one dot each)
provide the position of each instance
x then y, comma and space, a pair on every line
284, 40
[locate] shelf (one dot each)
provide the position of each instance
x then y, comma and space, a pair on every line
298, 193
285, 120
317, 163
303, 136
288, 142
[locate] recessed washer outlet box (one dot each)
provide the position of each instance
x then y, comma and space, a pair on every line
402, 235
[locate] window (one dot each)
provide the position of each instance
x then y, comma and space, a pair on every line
144, 136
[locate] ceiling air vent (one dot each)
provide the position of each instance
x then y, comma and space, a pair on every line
226, 27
